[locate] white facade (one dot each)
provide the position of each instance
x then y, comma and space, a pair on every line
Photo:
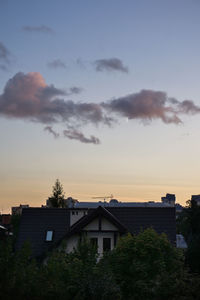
76, 214
100, 237
107, 235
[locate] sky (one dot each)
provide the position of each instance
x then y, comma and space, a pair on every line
103, 95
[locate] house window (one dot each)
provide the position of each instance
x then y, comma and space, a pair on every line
74, 212
49, 235
106, 244
94, 242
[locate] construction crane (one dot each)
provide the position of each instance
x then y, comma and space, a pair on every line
104, 198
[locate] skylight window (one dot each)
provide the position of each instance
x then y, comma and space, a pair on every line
49, 235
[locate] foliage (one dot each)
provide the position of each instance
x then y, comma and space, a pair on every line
57, 198
15, 223
18, 274
145, 266
189, 225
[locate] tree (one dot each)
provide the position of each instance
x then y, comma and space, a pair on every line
19, 275
141, 267
188, 224
146, 266
58, 197
15, 223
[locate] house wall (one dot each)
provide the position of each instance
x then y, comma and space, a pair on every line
100, 236
76, 214
106, 225
92, 231
72, 243
94, 225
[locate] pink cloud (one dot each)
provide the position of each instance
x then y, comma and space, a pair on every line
28, 97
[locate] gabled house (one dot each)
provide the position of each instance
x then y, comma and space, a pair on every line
100, 226
46, 228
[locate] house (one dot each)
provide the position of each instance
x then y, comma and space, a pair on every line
17, 210
5, 221
46, 228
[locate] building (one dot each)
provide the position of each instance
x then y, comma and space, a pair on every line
196, 198
5, 221
17, 210
169, 199
47, 228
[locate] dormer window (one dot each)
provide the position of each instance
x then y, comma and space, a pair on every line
49, 235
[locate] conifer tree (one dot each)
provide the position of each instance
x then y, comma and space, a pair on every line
58, 198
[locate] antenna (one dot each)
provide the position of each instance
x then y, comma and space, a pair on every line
104, 197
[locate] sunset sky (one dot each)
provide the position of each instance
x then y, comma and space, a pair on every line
103, 95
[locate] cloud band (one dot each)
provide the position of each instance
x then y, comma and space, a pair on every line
27, 96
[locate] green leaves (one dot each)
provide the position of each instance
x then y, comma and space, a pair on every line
188, 224
141, 267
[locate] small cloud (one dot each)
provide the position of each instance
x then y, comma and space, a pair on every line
41, 28
3, 67
50, 91
77, 135
80, 63
75, 90
57, 64
146, 105
4, 53
4, 57
187, 107
51, 131
110, 64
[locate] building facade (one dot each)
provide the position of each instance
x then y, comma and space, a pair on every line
46, 228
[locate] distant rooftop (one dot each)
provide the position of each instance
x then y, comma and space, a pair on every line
167, 201
116, 203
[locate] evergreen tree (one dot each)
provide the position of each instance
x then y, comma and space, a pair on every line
58, 198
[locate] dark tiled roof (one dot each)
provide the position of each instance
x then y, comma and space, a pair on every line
36, 221
138, 218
